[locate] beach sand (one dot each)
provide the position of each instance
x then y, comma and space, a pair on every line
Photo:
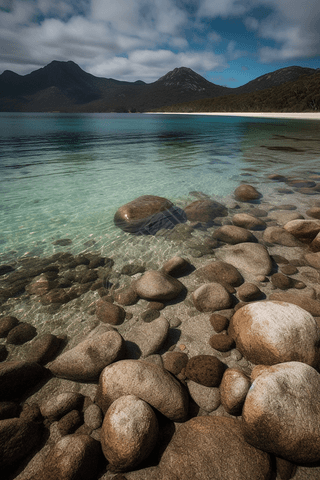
289, 115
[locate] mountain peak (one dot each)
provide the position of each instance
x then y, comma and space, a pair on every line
185, 78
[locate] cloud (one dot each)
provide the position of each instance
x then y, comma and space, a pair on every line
222, 8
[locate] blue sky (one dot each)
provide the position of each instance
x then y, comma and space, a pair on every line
229, 42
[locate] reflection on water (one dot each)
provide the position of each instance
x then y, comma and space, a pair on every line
64, 176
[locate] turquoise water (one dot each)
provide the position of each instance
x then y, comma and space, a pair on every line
64, 176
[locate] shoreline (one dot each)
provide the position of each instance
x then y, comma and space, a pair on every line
289, 115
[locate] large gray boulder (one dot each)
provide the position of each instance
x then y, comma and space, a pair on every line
273, 332
281, 414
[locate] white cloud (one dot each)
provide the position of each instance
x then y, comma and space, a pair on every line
222, 8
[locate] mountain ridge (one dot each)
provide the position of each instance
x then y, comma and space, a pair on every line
64, 86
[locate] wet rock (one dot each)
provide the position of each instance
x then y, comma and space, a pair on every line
249, 292
205, 369
44, 348
109, 313
17, 439
129, 432
220, 272
233, 235
246, 193
3, 353
174, 362
149, 315
280, 236
304, 230
40, 285
93, 417
85, 362
6, 324
56, 295
4, 269
273, 332
205, 211
315, 244
156, 306
301, 300
210, 297
147, 381
176, 266
245, 220
279, 414
57, 406
234, 388
279, 280
126, 296
132, 269
20, 334
207, 398
313, 259
69, 423
155, 285
289, 270
219, 322
248, 258
146, 338
284, 216
221, 342
277, 178
204, 445
74, 457
8, 410
147, 215
17, 376
314, 212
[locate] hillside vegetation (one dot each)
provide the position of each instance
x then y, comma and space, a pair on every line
302, 95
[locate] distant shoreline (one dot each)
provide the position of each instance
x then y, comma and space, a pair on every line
292, 115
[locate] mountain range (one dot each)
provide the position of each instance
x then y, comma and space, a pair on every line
65, 87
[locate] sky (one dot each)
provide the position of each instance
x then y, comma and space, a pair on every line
229, 42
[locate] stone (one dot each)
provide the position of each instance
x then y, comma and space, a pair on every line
146, 338
174, 362
56, 295
126, 296
304, 230
58, 406
74, 457
221, 342
289, 269
16, 377
279, 280
93, 416
22, 333
85, 362
156, 306
314, 212
109, 312
148, 214
220, 272
219, 322
205, 369
271, 332
44, 348
249, 292
280, 236
176, 266
6, 324
158, 286
233, 389
248, 258
40, 285
300, 299
210, 297
315, 244
4, 269
147, 381
246, 193
132, 269
245, 220
69, 423
284, 216
211, 447
207, 398
9, 410
3, 353
205, 211
17, 439
313, 259
233, 235
129, 432
280, 415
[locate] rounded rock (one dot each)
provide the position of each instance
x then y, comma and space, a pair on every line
249, 258
58, 406
220, 272
248, 292
233, 235
129, 432
6, 324
245, 220
205, 211
234, 388
158, 286
221, 342
22, 333
271, 332
219, 322
280, 236
109, 313
207, 398
246, 193
205, 369
211, 297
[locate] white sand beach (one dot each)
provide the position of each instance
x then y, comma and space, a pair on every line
292, 115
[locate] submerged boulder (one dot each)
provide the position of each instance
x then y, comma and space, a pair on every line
205, 211
148, 214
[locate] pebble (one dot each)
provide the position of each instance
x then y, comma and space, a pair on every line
205, 369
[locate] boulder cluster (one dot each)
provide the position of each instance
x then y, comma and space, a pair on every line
204, 368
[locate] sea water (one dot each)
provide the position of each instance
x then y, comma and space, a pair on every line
63, 176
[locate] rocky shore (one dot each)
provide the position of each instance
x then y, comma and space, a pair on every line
203, 367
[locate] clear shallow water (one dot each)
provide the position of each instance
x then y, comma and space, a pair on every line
64, 176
